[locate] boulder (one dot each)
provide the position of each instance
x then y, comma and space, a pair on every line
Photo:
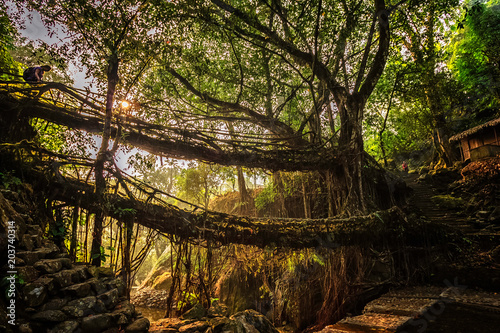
84, 303
99, 307
27, 242
37, 240
140, 325
62, 279
97, 286
25, 328
19, 262
96, 323
125, 308
49, 283
49, 266
115, 283
29, 257
54, 304
64, 327
78, 274
251, 321
163, 281
77, 290
197, 326
35, 294
109, 298
81, 307
218, 323
34, 229
104, 272
28, 273
196, 312
50, 316
217, 310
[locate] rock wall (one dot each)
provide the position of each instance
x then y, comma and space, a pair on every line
53, 294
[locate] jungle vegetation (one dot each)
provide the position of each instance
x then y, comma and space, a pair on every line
301, 107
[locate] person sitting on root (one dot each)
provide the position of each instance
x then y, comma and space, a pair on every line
35, 74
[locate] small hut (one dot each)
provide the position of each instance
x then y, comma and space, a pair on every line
480, 141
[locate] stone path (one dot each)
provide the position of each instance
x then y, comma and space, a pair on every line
421, 199
428, 309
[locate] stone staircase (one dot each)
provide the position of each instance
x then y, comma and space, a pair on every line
427, 309
56, 295
421, 200
476, 229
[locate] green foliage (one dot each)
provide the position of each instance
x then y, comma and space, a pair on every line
159, 173
265, 197
448, 201
8, 179
62, 140
102, 254
200, 182
187, 299
7, 37
59, 231
416, 95
474, 54
124, 212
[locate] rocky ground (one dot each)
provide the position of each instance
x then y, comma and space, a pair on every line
214, 320
149, 297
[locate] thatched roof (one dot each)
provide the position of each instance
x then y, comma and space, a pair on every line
476, 129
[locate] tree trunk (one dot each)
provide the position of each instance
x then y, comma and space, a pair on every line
279, 198
307, 206
350, 175
127, 260
244, 204
102, 157
74, 228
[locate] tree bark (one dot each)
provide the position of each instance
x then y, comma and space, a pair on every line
74, 228
245, 198
102, 158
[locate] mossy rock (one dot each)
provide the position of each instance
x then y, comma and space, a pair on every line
448, 201
163, 282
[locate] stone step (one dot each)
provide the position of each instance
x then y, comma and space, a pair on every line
46, 252
67, 277
83, 307
36, 241
372, 322
77, 290
50, 266
327, 329
28, 273
400, 306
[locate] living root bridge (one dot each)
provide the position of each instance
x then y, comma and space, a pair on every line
79, 113
377, 228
